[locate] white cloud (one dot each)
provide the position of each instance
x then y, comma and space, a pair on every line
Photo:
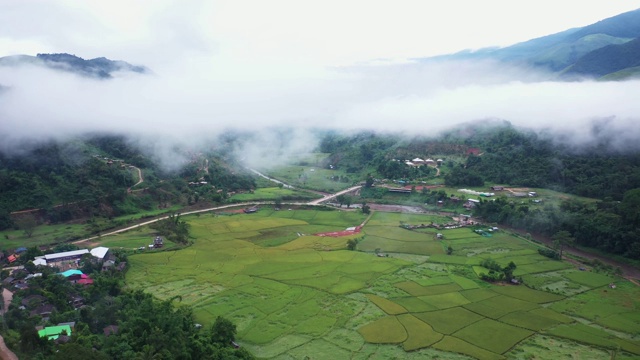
254, 65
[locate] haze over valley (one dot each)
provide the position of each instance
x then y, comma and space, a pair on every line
319, 180
198, 89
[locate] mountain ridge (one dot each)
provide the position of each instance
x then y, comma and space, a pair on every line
558, 52
98, 68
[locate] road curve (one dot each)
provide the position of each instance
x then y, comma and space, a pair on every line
316, 202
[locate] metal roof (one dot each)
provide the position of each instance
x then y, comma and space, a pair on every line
100, 252
66, 254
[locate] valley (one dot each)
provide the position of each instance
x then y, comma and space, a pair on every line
319, 180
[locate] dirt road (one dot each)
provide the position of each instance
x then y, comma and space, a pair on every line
140, 178
5, 353
7, 296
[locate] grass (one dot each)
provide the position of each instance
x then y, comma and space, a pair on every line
387, 306
492, 335
452, 344
387, 330
59, 233
528, 320
272, 194
449, 320
420, 334
589, 279
526, 294
313, 177
541, 347
293, 294
584, 334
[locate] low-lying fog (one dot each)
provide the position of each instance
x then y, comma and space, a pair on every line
205, 85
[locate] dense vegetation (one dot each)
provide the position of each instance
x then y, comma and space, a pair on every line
90, 177
146, 327
609, 59
518, 158
599, 49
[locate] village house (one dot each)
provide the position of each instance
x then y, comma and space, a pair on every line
33, 301
43, 311
111, 329
70, 258
53, 332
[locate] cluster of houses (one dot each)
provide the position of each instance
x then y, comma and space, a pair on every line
111, 161
15, 255
67, 261
421, 162
38, 305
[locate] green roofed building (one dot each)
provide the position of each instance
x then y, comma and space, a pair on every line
52, 332
71, 272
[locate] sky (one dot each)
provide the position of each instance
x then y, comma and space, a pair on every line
327, 32
258, 64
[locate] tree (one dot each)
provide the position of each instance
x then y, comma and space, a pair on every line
369, 181
27, 223
223, 331
351, 244
449, 250
348, 201
561, 239
508, 271
366, 209
341, 199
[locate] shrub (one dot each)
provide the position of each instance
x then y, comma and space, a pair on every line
550, 253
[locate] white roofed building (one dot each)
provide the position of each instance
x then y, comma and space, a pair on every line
50, 259
100, 252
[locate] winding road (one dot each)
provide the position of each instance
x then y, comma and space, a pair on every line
629, 272
140, 178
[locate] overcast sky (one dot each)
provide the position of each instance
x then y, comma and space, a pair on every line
325, 32
253, 64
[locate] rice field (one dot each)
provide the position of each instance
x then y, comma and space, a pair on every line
292, 294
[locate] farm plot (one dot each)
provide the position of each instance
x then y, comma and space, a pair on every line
397, 240
293, 295
492, 335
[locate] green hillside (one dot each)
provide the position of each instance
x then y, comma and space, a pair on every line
606, 60
559, 56
593, 51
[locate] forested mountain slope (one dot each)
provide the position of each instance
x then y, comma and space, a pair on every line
93, 175
588, 51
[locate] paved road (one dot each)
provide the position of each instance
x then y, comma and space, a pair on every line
333, 196
630, 272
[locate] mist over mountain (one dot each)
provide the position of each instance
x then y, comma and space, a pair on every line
194, 97
567, 53
101, 67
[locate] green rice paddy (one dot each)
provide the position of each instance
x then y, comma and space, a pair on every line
292, 294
